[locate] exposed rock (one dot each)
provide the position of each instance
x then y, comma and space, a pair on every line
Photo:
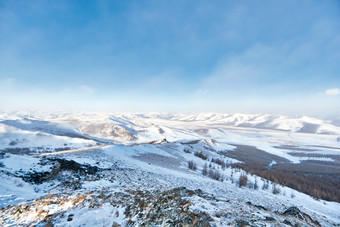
294, 211
70, 217
201, 223
49, 224
242, 223
261, 207
158, 141
115, 224
175, 207
13, 143
270, 219
287, 222
57, 165
257, 206
76, 167
170, 209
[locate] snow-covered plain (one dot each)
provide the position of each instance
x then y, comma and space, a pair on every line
150, 152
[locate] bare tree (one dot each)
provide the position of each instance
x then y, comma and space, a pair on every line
276, 189
192, 165
205, 169
243, 180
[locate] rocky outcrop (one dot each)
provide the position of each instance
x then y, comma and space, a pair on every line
175, 207
296, 212
171, 209
57, 165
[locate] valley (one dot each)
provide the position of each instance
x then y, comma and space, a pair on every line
168, 170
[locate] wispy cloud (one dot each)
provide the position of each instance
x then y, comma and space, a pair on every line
332, 91
223, 56
87, 89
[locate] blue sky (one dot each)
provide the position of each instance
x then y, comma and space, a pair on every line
280, 57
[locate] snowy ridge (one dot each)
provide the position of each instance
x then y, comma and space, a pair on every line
75, 130
129, 120
61, 168
262, 121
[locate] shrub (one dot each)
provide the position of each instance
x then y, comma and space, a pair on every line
211, 172
292, 195
250, 185
205, 170
18, 184
265, 185
232, 179
192, 165
219, 162
186, 150
256, 186
214, 174
201, 155
276, 190
232, 176
243, 180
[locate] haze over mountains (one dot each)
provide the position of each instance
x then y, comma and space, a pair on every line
103, 125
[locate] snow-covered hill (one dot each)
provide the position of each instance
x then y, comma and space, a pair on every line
40, 132
99, 169
90, 123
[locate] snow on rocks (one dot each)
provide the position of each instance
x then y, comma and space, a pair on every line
137, 172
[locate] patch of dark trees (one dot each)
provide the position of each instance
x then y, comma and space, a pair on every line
315, 178
201, 155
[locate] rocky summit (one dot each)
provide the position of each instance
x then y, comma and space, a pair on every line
175, 207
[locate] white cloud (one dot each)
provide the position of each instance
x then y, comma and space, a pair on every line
203, 91
332, 91
5, 82
87, 89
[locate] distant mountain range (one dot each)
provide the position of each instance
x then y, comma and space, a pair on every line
262, 121
105, 127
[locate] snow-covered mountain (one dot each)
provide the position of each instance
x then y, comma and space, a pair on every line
132, 127
261, 121
138, 169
